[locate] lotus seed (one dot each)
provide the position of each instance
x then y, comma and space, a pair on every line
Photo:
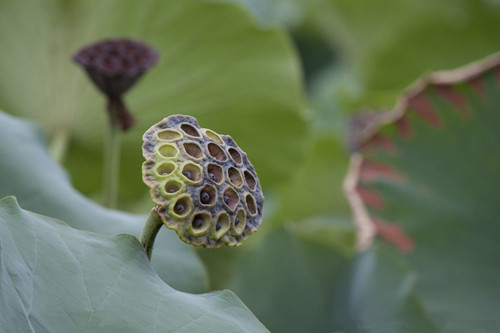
237, 221
187, 174
204, 197
226, 199
198, 222
212, 176
179, 208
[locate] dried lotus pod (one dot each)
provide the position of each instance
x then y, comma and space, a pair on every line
202, 183
114, 66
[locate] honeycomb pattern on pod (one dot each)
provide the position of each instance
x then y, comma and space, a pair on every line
204, 185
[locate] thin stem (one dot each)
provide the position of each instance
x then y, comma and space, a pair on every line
59, 144
149, 232
111, 161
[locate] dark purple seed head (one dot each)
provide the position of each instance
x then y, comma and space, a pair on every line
117, 58
114, 66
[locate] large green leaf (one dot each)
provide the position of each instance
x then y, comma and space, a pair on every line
378, 295
57, 279
41, 185
315, 187
273, 12
215, 64
295, 288
433, 170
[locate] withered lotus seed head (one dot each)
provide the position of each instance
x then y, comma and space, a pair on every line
114, 66
214, 209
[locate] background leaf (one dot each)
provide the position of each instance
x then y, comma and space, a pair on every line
58, 279
431, 170
390, 43
296, 285
288, 13
379, 296
28, 172
215, 64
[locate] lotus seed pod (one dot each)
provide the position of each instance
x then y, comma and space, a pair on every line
202, 182
114, 66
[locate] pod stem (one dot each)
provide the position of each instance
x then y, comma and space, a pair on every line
59, 144
111, 159
150, 230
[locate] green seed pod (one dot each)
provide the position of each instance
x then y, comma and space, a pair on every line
202, 182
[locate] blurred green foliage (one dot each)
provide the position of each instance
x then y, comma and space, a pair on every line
214, 64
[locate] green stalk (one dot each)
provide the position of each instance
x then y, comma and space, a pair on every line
111, 162
149, 232
59, 144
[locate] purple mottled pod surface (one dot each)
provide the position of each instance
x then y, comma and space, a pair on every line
114, 66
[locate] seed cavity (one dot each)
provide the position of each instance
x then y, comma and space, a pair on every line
168, 151
214, 136
222, 226
215, 173
239, 222
235, 177
250, 203
235, 155
183, 206
190, 130
168, 135
216, 152
179, 208
204, 197
192, 172
230, 198
208, 195
250, 180
200, 223
173, 186
197, 222
165, 169
193, 150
